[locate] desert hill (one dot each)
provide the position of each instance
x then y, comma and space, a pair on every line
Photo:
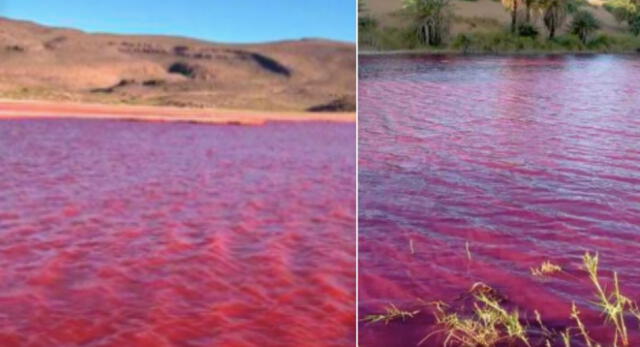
39, 62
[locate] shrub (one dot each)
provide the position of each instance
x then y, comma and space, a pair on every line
569, 42
182, 69
527, 30
634, 25
583, 25
622, 10
462, 42
601, 43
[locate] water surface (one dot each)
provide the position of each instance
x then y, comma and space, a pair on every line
151, 234
523, 159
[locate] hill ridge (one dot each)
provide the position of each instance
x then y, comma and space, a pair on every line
40, 62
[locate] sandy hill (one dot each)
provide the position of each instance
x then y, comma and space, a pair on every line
38, 62
477, 15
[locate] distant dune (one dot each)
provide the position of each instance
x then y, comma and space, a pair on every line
44, 63
477, 15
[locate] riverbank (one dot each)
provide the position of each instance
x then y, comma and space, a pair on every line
506, 43
484, 26
18, 109
428, 52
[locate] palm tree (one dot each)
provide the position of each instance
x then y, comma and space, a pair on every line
431, 19
555, 14
529, 4
583, 24
512, 6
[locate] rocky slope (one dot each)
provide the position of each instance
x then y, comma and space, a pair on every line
38, 62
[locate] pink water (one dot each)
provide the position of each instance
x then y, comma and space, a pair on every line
524, 158
142, 234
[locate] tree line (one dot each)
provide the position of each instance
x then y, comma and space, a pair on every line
431, 19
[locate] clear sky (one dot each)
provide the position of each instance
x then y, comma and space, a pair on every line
215, 20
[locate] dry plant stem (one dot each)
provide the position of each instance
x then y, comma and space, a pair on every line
613, 305
546, 268
490, 324
391, 313
566, 337
575, 315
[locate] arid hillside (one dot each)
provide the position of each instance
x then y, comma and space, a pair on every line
38, 62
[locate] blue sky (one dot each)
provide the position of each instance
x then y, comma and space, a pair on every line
215, 20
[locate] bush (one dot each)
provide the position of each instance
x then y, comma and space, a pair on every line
367, 23
602, 42
390, 39
568, 42
634, 25
495, 42
462, 42
527, 30
622, 10
583, 25
182, 69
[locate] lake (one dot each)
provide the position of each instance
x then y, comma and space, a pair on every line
478, 168
117, 233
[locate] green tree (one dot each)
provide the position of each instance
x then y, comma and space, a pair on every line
584, 24
431, 19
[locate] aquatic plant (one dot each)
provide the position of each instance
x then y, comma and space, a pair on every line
546, 268
489, 321
391, 313
575, 315
613, 304
488, 325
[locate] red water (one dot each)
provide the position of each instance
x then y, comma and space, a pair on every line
524, 158
142, 234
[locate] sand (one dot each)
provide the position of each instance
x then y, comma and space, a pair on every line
11, 109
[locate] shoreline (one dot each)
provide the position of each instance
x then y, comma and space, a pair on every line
505, 53
36, 109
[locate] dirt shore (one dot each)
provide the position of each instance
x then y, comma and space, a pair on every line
11, 109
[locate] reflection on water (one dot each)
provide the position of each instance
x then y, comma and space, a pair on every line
525, 158
137, 234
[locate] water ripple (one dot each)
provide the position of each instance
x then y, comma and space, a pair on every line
525, 158
136, 234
